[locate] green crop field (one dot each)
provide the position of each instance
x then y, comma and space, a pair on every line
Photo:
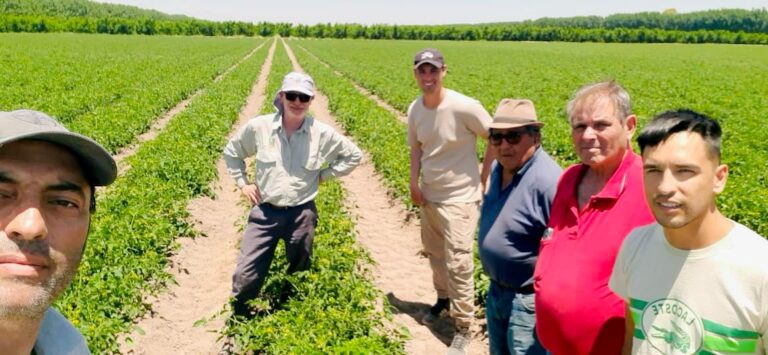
114, 88
730, 83
109, 87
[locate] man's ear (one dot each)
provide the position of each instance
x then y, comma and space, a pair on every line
631, 124
721, 177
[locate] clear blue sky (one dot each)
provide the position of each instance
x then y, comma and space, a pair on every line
426, 12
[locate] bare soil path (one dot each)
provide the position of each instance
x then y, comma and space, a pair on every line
400, 272
203, 266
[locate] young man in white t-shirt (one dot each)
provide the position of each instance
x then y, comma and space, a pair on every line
695, 282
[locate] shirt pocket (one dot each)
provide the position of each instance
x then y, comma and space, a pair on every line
265, 159
314, 163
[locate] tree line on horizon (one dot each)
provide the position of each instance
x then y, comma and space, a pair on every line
734, 26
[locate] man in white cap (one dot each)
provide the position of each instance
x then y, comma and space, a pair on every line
47, 180
294, 153
512, 221
443, 127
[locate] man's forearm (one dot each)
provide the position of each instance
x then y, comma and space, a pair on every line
629, 331
415, 165
236, 169
485, 171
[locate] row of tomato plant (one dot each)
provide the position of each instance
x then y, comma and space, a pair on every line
108, 87
331, 308
379, 132
138, 219
726, 82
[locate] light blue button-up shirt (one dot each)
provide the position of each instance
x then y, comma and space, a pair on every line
288, 171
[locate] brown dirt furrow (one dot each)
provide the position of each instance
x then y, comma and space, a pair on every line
400, 272
158, 125
203, 266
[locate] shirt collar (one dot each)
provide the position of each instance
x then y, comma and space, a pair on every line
498, 169
527, 165
277, 123
616, 185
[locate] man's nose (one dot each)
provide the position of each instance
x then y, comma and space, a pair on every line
589, 133
666, 184
28, 224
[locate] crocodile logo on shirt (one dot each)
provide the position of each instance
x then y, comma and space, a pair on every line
678, 338
671, 327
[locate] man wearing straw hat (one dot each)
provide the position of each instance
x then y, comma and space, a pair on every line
512, 221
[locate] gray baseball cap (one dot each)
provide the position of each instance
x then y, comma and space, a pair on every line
429, 55
99, 166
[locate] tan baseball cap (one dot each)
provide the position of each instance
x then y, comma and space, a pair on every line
513, 113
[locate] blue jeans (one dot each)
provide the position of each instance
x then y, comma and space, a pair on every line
511, 322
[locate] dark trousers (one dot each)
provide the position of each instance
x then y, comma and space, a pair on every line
268, 224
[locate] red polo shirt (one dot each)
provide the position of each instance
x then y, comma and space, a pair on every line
576, 312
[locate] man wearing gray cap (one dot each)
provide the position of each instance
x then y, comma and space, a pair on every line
294, 153
443, 127
47, 180
512, 221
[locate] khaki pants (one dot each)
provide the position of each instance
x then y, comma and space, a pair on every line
447, 232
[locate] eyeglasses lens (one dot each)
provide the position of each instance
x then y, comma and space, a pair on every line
511, 138
291, 96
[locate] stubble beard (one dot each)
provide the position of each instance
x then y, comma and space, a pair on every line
23, 300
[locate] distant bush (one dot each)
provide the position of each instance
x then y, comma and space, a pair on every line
735, 26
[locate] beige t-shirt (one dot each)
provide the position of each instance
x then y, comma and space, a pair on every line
448, 137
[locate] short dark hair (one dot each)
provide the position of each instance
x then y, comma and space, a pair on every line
683, 120
92, 205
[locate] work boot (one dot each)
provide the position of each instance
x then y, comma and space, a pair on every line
460, 343
436, 311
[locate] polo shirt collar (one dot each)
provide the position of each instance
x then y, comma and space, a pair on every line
529, 163
617, 183
520, 172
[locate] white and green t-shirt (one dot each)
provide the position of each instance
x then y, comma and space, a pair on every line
706, 301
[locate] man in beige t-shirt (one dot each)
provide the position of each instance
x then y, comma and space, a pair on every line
443, 127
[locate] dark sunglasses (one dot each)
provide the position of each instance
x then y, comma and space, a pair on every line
512, 137
291, 96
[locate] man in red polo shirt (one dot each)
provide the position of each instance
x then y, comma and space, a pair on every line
597, 203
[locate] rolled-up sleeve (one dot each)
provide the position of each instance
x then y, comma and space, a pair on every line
343, 156
239, 147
